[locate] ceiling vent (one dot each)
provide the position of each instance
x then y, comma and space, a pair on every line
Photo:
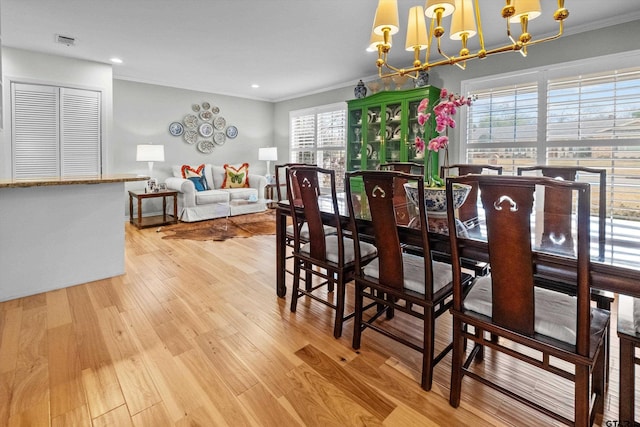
66, 40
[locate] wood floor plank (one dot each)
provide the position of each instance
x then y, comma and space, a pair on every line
9, 338
178, 389
232, 370
6, 392
193, 334
117, 417
319, 402
219, 394
265, 408
58, 312
134, 379
157, 415
31, 381
357, 390
75, 417
65, 373
102, 389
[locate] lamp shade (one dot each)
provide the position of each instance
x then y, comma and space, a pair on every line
269, 153
416, 29
463, 21
150, 153
386, 17
447, 6
530, 8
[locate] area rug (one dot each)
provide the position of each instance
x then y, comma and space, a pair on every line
220, 229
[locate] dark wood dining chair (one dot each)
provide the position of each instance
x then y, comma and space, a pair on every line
404, 211
544, 328
469, 209
406, 167
398, 280
558, 204
281, 183
329, 257
629, 335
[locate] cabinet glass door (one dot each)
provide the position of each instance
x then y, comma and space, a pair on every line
375, 137
393, 132
413, 130
355, 138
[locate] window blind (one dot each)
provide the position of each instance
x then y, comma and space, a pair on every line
595, 106
318, 136
563, 117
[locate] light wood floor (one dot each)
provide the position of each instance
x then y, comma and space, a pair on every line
193, 335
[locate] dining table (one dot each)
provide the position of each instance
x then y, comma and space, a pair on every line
617, 270
614, 269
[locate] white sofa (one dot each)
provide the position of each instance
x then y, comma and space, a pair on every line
218, 202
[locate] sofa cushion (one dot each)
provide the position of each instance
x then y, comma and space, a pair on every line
211, 196
242, 193
236, 177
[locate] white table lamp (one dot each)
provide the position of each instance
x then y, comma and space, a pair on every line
268, 154
150, 153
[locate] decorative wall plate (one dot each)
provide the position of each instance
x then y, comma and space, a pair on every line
191, 121
219, 123
191, 136
205, 147
176, 128
215, 109
195, 107
206, 105
219, 138
206, 130
206, 115
232, 132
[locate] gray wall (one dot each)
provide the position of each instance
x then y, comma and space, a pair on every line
143, 112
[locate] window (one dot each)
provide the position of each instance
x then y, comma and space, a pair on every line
318, 136
56, 131
562, 116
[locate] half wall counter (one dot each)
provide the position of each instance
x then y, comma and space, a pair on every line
60, 232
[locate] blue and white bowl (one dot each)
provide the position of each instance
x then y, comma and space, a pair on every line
435, 198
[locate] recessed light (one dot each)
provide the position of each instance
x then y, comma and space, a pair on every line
255, 86
116, 60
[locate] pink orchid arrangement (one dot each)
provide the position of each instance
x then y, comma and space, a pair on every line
444, 111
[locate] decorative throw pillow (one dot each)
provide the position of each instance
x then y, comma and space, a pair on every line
196, 176
200, 182
236, 177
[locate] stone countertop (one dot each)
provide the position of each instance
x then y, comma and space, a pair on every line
45, 181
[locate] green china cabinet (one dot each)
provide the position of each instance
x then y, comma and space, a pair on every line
383, 128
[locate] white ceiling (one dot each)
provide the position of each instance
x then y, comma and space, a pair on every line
288, 47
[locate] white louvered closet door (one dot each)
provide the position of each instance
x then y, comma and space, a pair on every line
35, 139
80, 132
56, 131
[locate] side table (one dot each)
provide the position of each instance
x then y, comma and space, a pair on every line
155, 220
269, 194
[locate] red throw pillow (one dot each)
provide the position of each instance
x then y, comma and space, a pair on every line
236, 178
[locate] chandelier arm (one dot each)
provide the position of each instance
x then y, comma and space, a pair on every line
479, 23
429, 43
546, 39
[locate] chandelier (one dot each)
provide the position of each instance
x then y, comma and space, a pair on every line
465, 24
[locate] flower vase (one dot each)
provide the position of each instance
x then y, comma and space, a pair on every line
446, 163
